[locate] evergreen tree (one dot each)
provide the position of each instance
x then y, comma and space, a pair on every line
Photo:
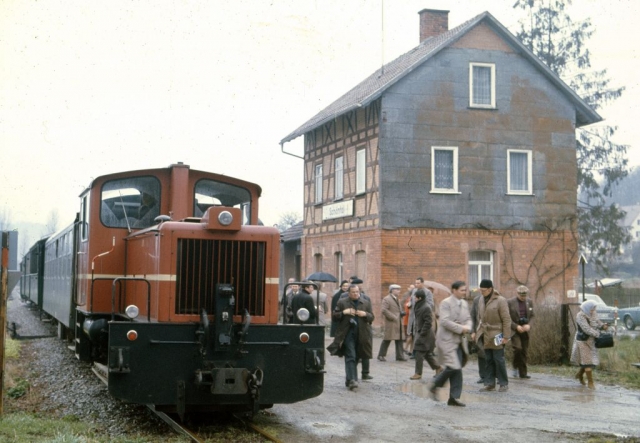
550, 33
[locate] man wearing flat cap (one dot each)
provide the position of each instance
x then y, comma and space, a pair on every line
392, 313
521, 312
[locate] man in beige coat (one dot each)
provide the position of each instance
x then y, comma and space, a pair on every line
392, 313
455, 321
493, 313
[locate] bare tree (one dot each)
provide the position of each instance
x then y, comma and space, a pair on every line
53, 222
5, 219
288, 219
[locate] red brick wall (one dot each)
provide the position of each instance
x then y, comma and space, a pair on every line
542, 261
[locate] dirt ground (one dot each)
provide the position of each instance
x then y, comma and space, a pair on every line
391, 408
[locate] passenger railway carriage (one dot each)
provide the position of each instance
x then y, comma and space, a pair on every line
169, 286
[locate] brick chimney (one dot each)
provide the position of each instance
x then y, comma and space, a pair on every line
433, 22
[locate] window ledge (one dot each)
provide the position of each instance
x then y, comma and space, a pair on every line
484, 108
444, 191
522, 194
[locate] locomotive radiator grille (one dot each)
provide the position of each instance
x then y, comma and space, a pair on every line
202, 264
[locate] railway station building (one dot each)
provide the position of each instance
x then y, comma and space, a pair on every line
455, 161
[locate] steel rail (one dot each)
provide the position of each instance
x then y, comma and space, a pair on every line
175, 425
260, 431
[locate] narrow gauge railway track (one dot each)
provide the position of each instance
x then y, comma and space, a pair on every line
181, 429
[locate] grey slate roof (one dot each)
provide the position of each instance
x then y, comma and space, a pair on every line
293, 233
374, 86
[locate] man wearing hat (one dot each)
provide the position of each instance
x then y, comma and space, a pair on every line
521, 313
392, 313
366, 364
495, 329
304, 300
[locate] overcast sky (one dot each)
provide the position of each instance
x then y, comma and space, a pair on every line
94, 87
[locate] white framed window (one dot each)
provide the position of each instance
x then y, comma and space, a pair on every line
519, 171
361, 169
444, 169
318, 178
480, 267
339, 189
482, 85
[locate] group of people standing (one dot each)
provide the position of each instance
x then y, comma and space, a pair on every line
421, 329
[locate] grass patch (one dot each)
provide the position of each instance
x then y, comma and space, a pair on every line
30, 428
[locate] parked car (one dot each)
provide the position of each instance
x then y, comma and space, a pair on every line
630, 317
606, 314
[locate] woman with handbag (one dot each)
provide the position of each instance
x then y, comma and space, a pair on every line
584, 352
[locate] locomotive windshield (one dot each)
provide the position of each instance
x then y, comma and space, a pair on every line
214, 193
130, 202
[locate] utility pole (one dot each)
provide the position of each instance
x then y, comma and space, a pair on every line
3, 310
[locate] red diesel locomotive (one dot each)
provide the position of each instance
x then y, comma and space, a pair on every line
168, 285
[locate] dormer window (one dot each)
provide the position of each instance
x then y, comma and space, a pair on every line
482, 85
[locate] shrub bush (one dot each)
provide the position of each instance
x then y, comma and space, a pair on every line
545, 337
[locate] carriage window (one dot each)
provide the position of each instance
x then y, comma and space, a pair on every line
84, 211
214, 193
130, 202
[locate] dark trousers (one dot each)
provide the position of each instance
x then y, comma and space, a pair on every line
365, 366
455, 378
425, 355
482, 367
350, 355
496, 367
384, 346
521, 355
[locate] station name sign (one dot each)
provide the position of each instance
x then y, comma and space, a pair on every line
337, 210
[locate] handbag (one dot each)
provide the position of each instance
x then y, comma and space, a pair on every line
604, 341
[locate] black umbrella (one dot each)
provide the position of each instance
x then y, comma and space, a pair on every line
322, 276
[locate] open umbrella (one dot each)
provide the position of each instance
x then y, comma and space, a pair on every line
440, 291
323, 277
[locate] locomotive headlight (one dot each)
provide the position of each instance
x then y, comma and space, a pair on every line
132, 335
225, 218
304, 337
302, 314
132, 311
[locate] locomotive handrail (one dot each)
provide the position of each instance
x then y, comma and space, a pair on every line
113, 293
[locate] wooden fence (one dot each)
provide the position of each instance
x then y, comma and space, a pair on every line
621, 297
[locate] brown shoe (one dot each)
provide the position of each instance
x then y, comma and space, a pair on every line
488, 388
415, 377
381, 358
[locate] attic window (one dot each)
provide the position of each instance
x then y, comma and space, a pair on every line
482, 85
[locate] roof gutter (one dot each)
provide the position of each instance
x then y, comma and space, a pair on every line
288, 153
